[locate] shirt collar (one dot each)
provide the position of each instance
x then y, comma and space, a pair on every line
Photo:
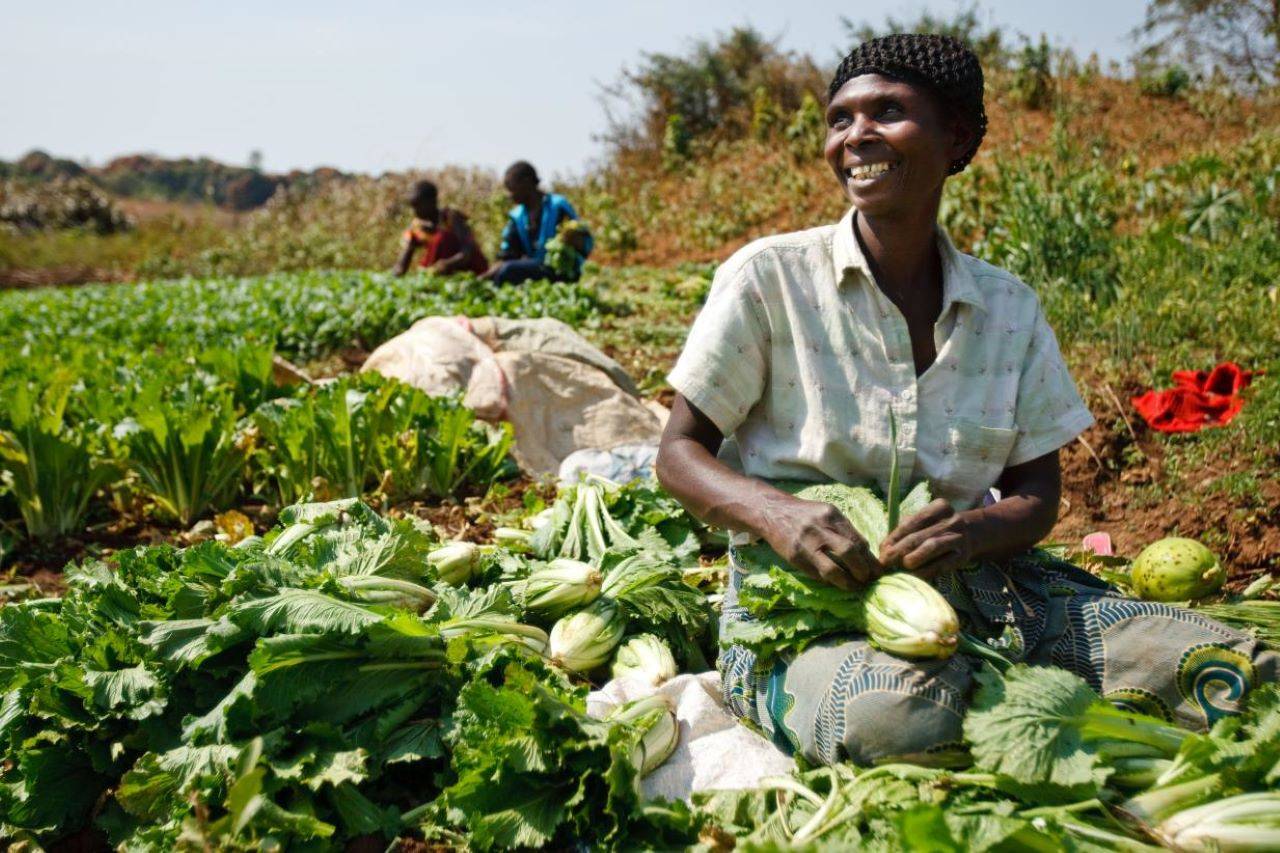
958, 284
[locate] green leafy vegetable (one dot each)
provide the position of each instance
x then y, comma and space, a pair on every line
1039, 730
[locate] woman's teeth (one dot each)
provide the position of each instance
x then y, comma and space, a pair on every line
870, 170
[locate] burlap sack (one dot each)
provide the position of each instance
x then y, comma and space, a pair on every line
558, 405
559, 392
440, 356
548, 336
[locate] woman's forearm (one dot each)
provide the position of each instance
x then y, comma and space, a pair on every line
713, 492
1009, 527
1024, 515
812, 536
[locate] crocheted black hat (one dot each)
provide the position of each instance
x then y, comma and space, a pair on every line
940, 63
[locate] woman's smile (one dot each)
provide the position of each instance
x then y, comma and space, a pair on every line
868, 174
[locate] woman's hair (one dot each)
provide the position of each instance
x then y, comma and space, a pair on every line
522, 170
941, 64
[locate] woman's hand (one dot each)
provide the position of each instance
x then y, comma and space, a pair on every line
818, 540
935, 540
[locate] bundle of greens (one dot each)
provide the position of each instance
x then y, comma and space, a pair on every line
1048, 772
1260, 617
1239, 757
899, 613
558, 588
291, 690
640, 593
561, 254
530, 769
901, 807
647, 659
1049, 738
49, 467
596, 516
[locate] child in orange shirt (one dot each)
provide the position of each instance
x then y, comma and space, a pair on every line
442, 233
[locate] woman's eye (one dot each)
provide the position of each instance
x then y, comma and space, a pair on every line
838, 121
891, 108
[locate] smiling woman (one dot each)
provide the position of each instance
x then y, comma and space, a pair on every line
823, 354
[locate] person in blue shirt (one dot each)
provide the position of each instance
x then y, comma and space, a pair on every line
531, 224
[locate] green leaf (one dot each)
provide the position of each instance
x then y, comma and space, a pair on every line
54, 790
361, 816
893, 498
134, 692
296, 611
512, 813
189, 642
324, 680
148, 789
415, 741
1027, 727
30, 635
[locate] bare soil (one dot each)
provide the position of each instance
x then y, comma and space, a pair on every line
66, 274
472, 519
1109, 478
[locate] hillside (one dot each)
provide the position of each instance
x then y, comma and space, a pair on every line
194, 181
744, 188
644, 208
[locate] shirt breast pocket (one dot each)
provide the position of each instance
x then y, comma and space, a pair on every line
975, 454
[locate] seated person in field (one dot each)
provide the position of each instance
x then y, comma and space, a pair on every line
531, 232
442, 233
815, 348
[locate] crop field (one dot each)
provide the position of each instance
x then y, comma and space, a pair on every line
252, 598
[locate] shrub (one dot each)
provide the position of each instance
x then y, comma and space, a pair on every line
1168, 82
62, 204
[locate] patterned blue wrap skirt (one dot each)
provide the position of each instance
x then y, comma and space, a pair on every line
841, 699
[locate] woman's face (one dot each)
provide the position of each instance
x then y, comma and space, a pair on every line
890, 144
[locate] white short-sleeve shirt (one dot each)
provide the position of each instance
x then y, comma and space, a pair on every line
798, 358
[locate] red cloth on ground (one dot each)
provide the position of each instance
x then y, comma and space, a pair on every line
1197, 400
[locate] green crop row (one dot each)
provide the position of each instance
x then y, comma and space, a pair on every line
302, 315
163, 391
205, 441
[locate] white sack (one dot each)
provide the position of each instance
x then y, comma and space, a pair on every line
715, 751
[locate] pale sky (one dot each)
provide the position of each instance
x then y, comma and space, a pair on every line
383, 84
